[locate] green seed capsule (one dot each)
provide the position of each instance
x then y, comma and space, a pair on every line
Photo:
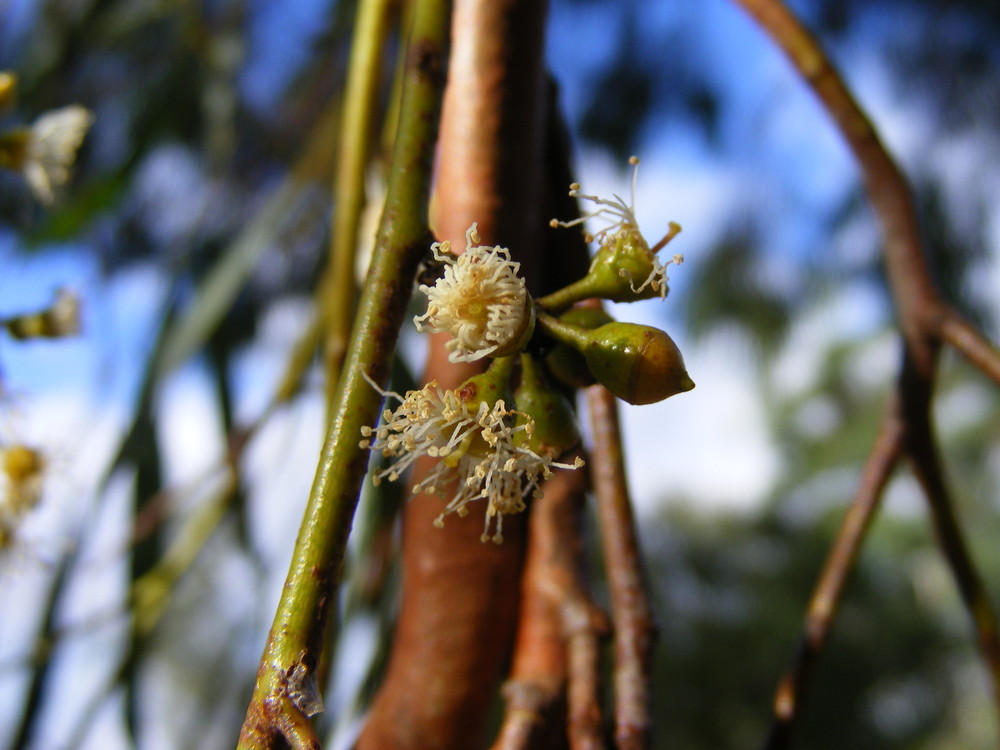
566, 363
639, 364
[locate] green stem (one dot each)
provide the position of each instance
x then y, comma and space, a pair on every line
357, 127
151, 593
403, 238
564, 298
564, 333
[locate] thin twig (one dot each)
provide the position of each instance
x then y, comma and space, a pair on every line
556, 658
829, 589
527, 705
914, 294
965, 338
631, 612
584, 625
356, 132
538, 670
926, 464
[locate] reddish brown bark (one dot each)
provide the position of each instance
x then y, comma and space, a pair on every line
460, 595
552, 695
634, 629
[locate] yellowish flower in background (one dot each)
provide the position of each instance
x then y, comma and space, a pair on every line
8, 89
480, 300
60, 320
22, 471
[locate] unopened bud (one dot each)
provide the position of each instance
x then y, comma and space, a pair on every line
639, 364
554, 431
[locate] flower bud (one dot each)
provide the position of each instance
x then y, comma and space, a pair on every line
490, 386
554, 431
566, 363
639, 364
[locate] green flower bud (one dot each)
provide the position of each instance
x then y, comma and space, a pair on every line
639, 364
566, 363
554, 432
624, 260
490, 386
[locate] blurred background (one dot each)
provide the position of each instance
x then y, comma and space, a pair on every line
194, 230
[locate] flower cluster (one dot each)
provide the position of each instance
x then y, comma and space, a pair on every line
476, 447
494, 444
480, 300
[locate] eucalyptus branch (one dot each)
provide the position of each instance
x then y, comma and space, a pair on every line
460, 598
826, 598
584, 625
970, 342
527, 707
926, 464
151, 592
914, 293
633, 620
556, 652
317, 561
356, 132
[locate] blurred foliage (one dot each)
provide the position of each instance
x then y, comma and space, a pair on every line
728, 290
731, 591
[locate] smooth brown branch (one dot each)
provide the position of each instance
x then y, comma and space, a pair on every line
966, 339
584, 626
535, 689
631, 613
923, 454
829, 589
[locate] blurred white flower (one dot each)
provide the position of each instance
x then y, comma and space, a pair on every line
53, 141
